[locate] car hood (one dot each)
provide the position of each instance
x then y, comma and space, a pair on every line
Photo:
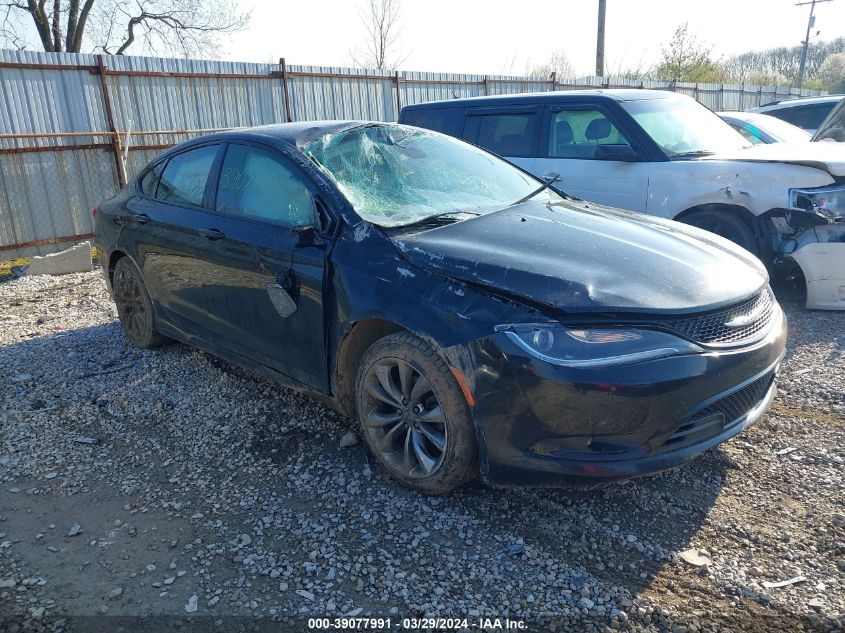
580, 257
826, 156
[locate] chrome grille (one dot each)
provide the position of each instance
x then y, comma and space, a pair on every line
715, 328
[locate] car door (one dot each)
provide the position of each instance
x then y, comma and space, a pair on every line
582, 144
266, 262
161, 230
512, 132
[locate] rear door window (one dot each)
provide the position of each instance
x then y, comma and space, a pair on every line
809, 117
184, 178
256, 184
438, 119
577, 133
506, 134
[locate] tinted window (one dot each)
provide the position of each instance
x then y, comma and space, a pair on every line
149, 181
258, 185
809, 117
437, 120
577, 133
184, 178
504, 134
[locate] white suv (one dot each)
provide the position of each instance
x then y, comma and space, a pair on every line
665, 154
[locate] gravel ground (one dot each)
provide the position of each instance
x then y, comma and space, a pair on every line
170, 485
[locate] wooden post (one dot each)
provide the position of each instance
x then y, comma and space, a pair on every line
486, 86
104, 84
397, 80
284, 66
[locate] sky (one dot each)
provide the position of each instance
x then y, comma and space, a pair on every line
508, 37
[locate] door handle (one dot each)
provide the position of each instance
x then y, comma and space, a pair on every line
140, 218
212, 234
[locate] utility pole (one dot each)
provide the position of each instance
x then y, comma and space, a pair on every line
600, 39
806, 43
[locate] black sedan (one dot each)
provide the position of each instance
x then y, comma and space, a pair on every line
475, 320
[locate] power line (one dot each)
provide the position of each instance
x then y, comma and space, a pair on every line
806, 43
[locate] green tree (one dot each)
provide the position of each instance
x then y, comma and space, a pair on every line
686, 58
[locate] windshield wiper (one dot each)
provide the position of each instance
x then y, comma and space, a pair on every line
546, 184
693, 154
437, 218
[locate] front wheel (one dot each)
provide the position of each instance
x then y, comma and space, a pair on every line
725, 224
414, 416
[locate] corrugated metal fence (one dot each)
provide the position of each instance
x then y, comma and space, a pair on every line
74, 128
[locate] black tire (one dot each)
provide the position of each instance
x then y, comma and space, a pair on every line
726, 224
134, 307
401, 424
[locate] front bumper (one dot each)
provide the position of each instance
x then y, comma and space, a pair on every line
823, 265
546, 425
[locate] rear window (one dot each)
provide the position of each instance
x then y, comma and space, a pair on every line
513, 134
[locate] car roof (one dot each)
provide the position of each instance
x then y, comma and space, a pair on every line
790, 103
615, 94
296, 134
745, 116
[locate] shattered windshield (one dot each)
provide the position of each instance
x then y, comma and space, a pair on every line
684, 127
395, 175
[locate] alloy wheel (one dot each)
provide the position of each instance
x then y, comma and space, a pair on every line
404, 418
130, 304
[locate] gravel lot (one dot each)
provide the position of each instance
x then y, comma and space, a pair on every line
167, 483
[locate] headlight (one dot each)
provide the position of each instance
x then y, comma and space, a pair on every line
594, 347
828, 202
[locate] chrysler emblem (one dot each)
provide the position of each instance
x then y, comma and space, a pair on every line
747, 318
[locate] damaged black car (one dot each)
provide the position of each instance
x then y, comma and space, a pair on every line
475, 320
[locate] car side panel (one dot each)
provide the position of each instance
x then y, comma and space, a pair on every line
676, 186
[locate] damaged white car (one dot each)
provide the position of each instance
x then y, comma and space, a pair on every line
665, 154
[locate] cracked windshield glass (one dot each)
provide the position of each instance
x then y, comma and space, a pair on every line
395, 175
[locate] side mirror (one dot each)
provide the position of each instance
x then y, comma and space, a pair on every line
619, 152
308, 235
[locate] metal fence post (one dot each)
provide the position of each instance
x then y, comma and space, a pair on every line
284, 66
104, 84
397, 80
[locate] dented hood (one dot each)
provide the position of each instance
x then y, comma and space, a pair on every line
580, 258
827, 156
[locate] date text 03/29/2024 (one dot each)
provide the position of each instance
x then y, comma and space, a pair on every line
416, 624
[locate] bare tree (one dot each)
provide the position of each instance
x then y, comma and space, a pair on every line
627, 68
781, 62
832, 73
183, 27
557, 64
381, 49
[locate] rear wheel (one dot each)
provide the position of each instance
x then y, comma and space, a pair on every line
134, 307
414, 416
725, 224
